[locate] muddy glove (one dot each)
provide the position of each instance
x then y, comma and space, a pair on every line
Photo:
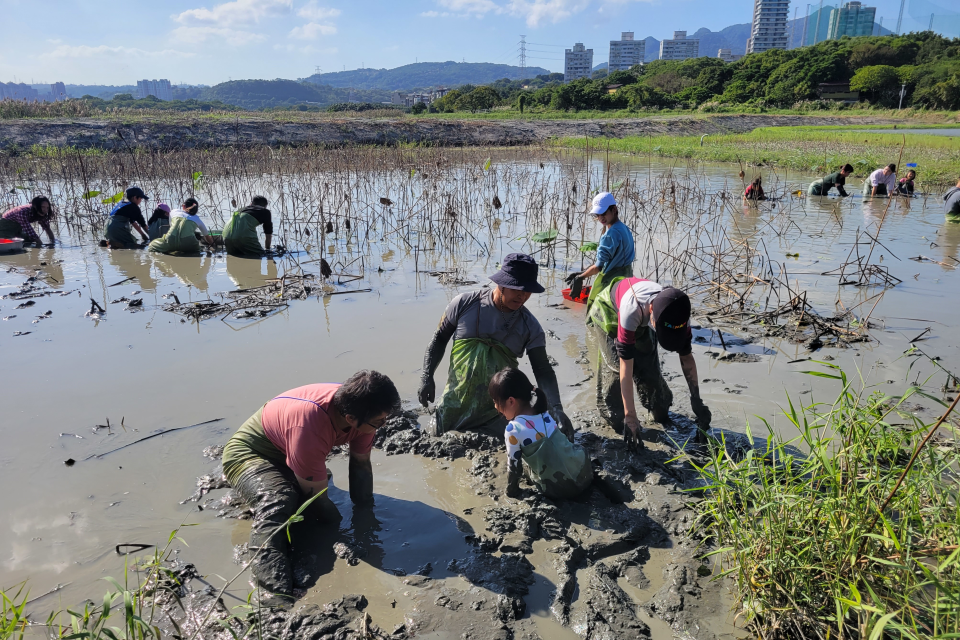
630, 437
702, 412
513, 483
563, 422
427, 391
572, 278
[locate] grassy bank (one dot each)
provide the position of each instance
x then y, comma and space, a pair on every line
813, 149
856, 537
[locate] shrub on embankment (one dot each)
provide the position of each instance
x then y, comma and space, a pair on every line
857, 536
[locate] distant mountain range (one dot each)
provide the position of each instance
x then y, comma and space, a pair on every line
423, 74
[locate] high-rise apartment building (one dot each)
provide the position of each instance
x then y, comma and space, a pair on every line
769, 29
577, 63
18, 91
625, 52
680, 47
727, 56
58, 91
158, 88
816, 26
852, 19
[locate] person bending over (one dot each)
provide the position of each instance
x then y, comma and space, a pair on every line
836, 179
18, 221
240, 235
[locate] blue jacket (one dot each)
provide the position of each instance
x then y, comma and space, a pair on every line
616, 248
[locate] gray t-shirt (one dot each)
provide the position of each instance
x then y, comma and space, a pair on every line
951, 202
473, 315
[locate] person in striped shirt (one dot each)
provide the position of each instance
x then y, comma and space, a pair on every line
18, 222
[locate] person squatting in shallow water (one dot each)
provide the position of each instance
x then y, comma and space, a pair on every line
754, 191
616, 250
159, 222
277, 460
836, 179
882, 182
558, 467
630, 319
185, 232
491, 330
18, 221
125, 217
906, 185
240, 235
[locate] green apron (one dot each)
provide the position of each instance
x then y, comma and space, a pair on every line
182, 238
10, 228
603, 313
466, 400
120, 231
604, 281
240, 235
558, 467
158, 228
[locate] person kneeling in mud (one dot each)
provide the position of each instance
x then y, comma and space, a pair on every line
277, 460
240, 234
185, 233
558, 467
124, 218
630, 319
491, 330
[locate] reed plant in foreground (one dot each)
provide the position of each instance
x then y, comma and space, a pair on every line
850, 529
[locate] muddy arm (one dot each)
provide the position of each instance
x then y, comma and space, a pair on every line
361, 479
431, 360
514, 472
547, 382
689, 367
322, 508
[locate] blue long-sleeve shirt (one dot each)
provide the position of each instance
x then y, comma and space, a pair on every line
616, 248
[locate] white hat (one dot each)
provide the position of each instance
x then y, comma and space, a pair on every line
602, 202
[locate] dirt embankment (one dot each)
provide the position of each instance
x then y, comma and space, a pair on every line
108, 134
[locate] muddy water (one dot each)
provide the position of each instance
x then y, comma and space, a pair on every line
145, 370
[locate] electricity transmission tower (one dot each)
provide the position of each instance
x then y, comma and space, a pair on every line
900, 18
523, 57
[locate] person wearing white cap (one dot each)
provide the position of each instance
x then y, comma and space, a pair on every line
615, 253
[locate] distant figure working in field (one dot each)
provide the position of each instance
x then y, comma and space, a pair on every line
558, 467
951, 202
630, 319
882, 182
277, 460
18, 222
240, 234
837, 179
125, 217
615, 252
491, 330
186, 231
754, 191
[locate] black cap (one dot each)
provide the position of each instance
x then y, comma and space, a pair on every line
671, 315
136, 192
519, 271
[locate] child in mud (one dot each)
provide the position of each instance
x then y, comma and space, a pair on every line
905, 187
754, 191
18, 222
159, 222
559, 468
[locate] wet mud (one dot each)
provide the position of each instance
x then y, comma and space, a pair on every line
106, 134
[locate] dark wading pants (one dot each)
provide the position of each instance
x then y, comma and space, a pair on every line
274, 495
654, 393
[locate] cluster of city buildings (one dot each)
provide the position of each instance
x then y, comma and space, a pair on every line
20, 91
767, 31
426, 97
160, 89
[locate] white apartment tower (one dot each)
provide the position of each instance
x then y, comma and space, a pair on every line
577, 63
769, 30
625, 52
158, 88
680, 47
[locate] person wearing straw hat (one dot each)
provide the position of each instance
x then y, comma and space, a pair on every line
646, 315
615, 252
491, 330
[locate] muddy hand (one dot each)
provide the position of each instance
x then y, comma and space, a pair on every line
703, 414
573, 277
631, 434
566, 427
427, 391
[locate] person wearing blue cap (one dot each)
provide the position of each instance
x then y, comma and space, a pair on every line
615, 252
125, 217
491, 330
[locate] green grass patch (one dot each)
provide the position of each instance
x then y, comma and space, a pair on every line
818, 150
850, 529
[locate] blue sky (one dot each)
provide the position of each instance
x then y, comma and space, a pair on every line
206, 41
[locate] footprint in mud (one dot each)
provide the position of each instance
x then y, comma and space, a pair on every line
729, 356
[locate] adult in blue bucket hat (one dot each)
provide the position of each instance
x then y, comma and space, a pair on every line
491, 330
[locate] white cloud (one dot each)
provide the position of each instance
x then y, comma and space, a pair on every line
474, 7
312, 31
86, 51
314, 12
537, 11
236, 12
235, 37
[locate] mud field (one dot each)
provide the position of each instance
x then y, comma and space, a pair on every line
162, 135
103, 348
